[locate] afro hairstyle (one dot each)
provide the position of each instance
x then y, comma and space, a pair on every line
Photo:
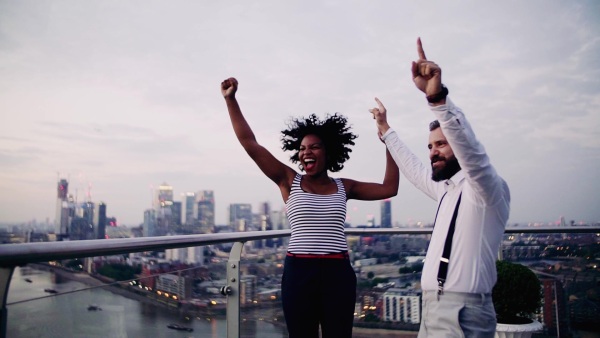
334, 132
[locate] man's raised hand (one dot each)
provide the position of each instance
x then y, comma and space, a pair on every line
380, 116
426, 74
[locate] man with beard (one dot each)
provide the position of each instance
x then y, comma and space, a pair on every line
473, 208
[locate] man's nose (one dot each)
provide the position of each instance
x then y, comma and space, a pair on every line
433, 151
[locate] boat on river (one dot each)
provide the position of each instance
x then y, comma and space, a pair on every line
94, 307
179, 327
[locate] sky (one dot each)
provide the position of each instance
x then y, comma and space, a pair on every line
120, 97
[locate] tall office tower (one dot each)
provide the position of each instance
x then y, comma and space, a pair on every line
68, 215
280, 219
276, 217
266, 223
205, 211
163, 204
240, 216
188, 200
150, 223
100, 221
386, 213
81, 224
61, 222
78, 229
176, 213
87, 211
164, 195
279, 222
265, 210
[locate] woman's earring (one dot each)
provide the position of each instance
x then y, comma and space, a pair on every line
301, 167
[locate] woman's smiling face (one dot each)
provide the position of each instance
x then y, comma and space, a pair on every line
312, 155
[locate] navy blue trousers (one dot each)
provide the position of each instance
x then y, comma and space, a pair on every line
318, 291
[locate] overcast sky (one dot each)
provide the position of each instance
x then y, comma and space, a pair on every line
121, 96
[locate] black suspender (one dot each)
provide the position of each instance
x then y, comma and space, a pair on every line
438, 209
445, 259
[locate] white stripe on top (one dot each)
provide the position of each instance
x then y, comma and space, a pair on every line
317, 221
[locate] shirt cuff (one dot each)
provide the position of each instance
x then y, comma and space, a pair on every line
443, 112
388, 132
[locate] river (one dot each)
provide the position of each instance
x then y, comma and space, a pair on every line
66, 314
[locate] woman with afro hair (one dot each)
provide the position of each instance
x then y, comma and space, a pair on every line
318, 284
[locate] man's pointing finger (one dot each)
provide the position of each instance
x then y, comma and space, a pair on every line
420, 50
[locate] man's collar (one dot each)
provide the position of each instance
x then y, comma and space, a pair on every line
456, 178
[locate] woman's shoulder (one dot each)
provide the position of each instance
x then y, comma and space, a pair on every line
345, 183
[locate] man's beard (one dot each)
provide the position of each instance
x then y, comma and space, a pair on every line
450, 168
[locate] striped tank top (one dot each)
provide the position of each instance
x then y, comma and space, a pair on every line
316, 221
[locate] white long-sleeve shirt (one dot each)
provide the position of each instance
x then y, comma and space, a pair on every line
483, 212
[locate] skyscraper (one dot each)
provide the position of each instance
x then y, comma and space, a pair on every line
240, 216
164, 213
100, 221
205, 204
188, 200
265, 224
279, 221
386, 213
176, 213
150, 223
164, 196
80, 229
61, 222
87, 211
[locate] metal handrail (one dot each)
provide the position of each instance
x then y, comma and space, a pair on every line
13, 255
20, 254
508, 230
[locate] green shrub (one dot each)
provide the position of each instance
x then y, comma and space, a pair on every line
517, 293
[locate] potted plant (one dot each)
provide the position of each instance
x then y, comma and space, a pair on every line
516, 295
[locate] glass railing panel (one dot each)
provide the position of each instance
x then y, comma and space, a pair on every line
52, 300
48, 303
383, 263
261, 273
261, 312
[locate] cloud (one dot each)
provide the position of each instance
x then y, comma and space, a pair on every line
126, 94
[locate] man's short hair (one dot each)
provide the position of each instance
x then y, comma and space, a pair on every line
434, 125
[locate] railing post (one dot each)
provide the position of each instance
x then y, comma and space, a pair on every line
232, 290
5, 277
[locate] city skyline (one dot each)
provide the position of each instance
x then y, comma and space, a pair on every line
121, 97
370, 219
